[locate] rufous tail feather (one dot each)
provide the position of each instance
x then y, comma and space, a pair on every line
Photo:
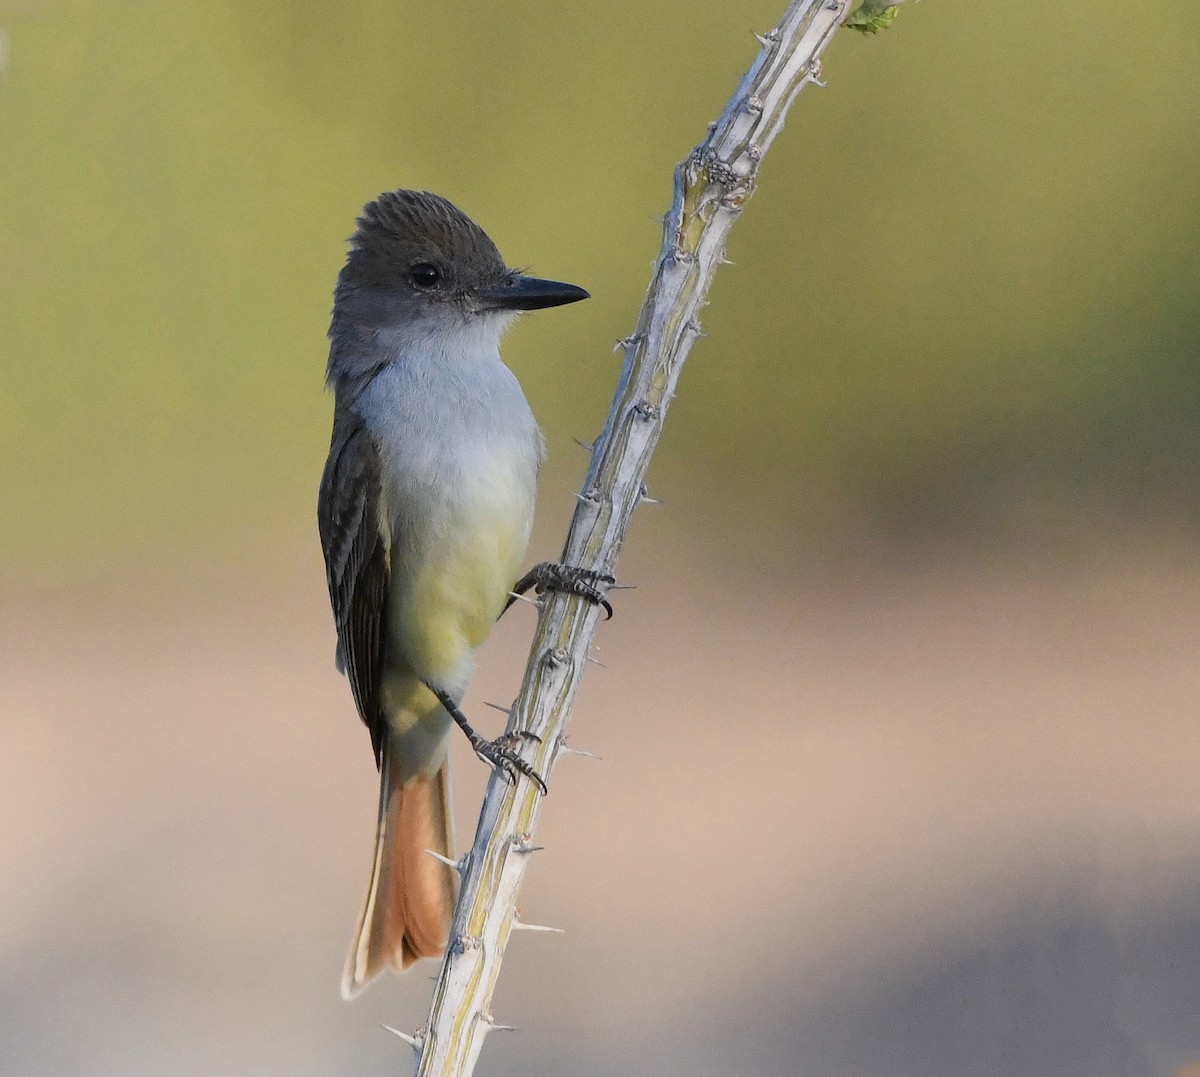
411, 899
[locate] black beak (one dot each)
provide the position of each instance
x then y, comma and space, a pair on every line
529, 293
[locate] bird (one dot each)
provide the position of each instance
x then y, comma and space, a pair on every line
424, 512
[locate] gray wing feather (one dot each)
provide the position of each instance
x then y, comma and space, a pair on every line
349, 516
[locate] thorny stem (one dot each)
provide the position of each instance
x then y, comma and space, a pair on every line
711, 188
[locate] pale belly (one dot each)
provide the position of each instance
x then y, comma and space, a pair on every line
452, 573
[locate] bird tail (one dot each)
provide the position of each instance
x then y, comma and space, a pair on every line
410, 903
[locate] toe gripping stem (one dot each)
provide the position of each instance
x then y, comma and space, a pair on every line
569, 579
500, 753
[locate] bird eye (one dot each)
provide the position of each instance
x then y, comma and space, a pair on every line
425, 275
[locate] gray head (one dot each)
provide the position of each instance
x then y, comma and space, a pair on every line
418, 263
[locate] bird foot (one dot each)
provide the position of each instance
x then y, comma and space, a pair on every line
501, 754
569, 579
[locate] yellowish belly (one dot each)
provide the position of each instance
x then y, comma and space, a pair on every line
457, 596
458, 579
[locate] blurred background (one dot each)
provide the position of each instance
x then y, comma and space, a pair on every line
899, 730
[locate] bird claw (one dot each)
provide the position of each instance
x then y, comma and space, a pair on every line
502, 756
572, 580
516, 735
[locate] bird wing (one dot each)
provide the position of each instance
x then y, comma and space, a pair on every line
349, 516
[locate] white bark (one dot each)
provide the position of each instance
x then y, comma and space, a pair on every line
711, 189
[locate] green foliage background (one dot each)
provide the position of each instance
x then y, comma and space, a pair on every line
964, 307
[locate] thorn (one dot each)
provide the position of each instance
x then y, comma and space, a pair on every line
814, 74
520, 925
457, 865
489, 1023
623, 586
644, 495
596, 662
565, 749
524, 598
586, 446
415, 1042
524, 846
497, 707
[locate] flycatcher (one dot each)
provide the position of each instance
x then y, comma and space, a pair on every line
424, 511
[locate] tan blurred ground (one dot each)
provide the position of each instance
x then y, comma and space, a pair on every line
902, 819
